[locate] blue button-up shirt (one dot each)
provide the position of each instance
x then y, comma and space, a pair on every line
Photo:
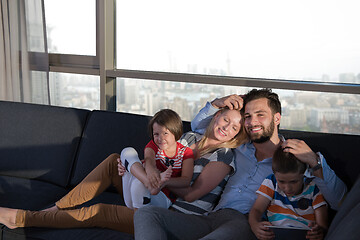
239, 192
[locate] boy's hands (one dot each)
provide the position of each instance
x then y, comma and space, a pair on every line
316, 232
261, 231
233, 101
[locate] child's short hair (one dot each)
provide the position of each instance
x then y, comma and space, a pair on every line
285, 162
168, 119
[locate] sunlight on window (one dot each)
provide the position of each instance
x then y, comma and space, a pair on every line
280, 39
75, 90
71, 26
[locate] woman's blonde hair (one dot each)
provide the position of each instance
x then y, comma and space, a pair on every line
236, 141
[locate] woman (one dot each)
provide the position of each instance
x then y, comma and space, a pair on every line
213, 165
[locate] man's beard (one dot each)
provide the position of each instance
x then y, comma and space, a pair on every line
267, 134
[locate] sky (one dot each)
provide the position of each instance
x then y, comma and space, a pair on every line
253, 38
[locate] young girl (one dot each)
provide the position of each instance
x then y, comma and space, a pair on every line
289, 200
162, 154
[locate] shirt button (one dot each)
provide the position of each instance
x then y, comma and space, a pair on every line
239, 191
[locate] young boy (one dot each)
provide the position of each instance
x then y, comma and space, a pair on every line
167, 162
289, 198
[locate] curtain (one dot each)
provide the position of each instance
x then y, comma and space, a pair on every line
24, 61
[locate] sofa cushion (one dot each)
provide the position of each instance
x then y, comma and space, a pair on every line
348, 228
346, 217
28, 194
106, 133
33, 233
38, 141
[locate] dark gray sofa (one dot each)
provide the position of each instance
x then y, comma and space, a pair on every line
46, 150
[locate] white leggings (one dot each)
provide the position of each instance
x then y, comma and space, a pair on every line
136, 195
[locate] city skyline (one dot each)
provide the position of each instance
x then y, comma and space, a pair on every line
302, 110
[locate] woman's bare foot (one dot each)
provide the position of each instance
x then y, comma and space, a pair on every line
53, 208
8, 216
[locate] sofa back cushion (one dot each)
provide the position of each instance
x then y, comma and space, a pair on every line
109, 132
38, 141
106, 133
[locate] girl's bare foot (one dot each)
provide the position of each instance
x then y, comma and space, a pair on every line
7, 217
54, 208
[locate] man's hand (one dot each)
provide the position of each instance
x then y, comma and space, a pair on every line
232, 102
301, 150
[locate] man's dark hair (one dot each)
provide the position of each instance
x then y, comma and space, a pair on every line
285, 162
273, 98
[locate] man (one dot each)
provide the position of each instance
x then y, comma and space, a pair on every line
262, 115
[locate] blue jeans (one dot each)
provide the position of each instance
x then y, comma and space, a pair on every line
159, 223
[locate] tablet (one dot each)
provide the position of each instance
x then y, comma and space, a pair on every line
289, 232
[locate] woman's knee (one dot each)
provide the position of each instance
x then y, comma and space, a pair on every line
97, 209
111, 160
145, 213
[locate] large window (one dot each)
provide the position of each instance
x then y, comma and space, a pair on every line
304, 40
180, 54
280, 39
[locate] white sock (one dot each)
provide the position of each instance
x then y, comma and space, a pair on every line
128, 157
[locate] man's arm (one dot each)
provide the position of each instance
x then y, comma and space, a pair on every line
331, 186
